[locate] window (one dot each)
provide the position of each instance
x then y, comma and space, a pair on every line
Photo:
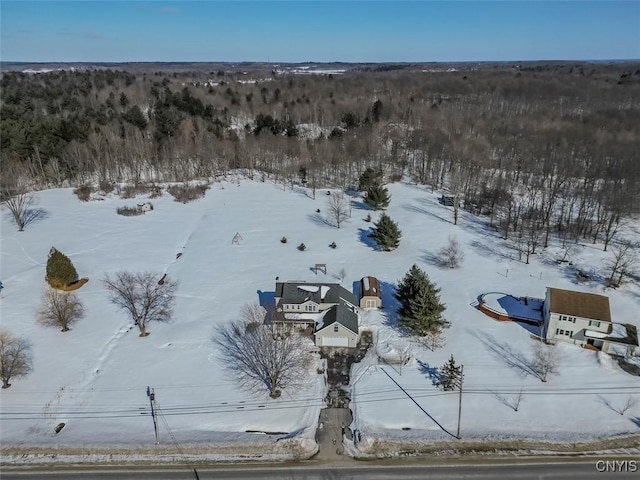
572, 319
557, 331
562, 318
561, 332
335, 328
594, 323
568, 333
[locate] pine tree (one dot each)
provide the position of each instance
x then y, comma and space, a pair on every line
377, 197
386, 233
369, 178
450, 375
420, 307
60, 270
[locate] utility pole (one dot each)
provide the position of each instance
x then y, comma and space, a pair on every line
154, 412
460, 400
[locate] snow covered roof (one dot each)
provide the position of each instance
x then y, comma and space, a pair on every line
579, 304
300, 292
620, 333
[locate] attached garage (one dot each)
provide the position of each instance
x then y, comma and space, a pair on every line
335, 341
339, 328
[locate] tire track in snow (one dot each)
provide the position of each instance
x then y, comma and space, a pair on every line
185, 243
72, 395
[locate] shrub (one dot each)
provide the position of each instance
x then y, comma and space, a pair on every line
367, 218
302, 247
130, 191
60, 270
155, 192
129, 211
106, 186
187, 193
283, 240
83, 192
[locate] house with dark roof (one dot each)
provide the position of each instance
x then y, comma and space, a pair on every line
328, 311
585, 319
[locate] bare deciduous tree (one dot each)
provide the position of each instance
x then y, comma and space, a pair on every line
342, 274
21, 208
142, 296
15, 359
433, 339
451, 255
622, 265
404, 355
337, 208
545, 360
258, 358
59, 309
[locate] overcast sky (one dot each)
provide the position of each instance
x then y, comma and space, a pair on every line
318, 31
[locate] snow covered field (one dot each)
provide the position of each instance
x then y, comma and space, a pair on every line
94, 378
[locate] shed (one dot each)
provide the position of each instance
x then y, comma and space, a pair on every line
370, 295
145, 207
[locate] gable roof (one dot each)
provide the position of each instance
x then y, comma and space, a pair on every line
300, 292
579, 304
343, 316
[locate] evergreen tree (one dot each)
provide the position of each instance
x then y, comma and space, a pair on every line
135, 117
376, 111
450, 375
377, 197
386, 233
369, 178
420, 307
60, 270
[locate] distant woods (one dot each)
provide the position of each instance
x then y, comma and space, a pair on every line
536, 147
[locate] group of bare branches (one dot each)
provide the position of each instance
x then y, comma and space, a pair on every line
260, 358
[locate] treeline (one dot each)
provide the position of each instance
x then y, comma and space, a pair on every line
517, 142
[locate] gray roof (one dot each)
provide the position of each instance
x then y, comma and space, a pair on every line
342, 315
290, 293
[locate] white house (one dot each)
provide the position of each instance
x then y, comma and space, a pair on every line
585, 319
326, 310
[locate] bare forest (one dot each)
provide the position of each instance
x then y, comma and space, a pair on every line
539, 148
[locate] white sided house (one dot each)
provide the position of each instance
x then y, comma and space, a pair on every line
328, 311
370, 295
585, 319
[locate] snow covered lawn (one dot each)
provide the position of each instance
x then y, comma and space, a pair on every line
94, 378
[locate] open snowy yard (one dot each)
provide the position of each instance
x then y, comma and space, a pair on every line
94, 378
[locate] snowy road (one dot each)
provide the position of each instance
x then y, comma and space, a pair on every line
529, 471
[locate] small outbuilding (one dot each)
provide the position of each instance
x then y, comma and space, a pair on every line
145, 207
370, 295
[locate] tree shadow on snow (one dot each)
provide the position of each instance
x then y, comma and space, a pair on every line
364, 235
636, 421
491, 249
360, 205
417, 209
432, 259
390, 305
432, 373
512, 357
33, 215
267, 300
318, 219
